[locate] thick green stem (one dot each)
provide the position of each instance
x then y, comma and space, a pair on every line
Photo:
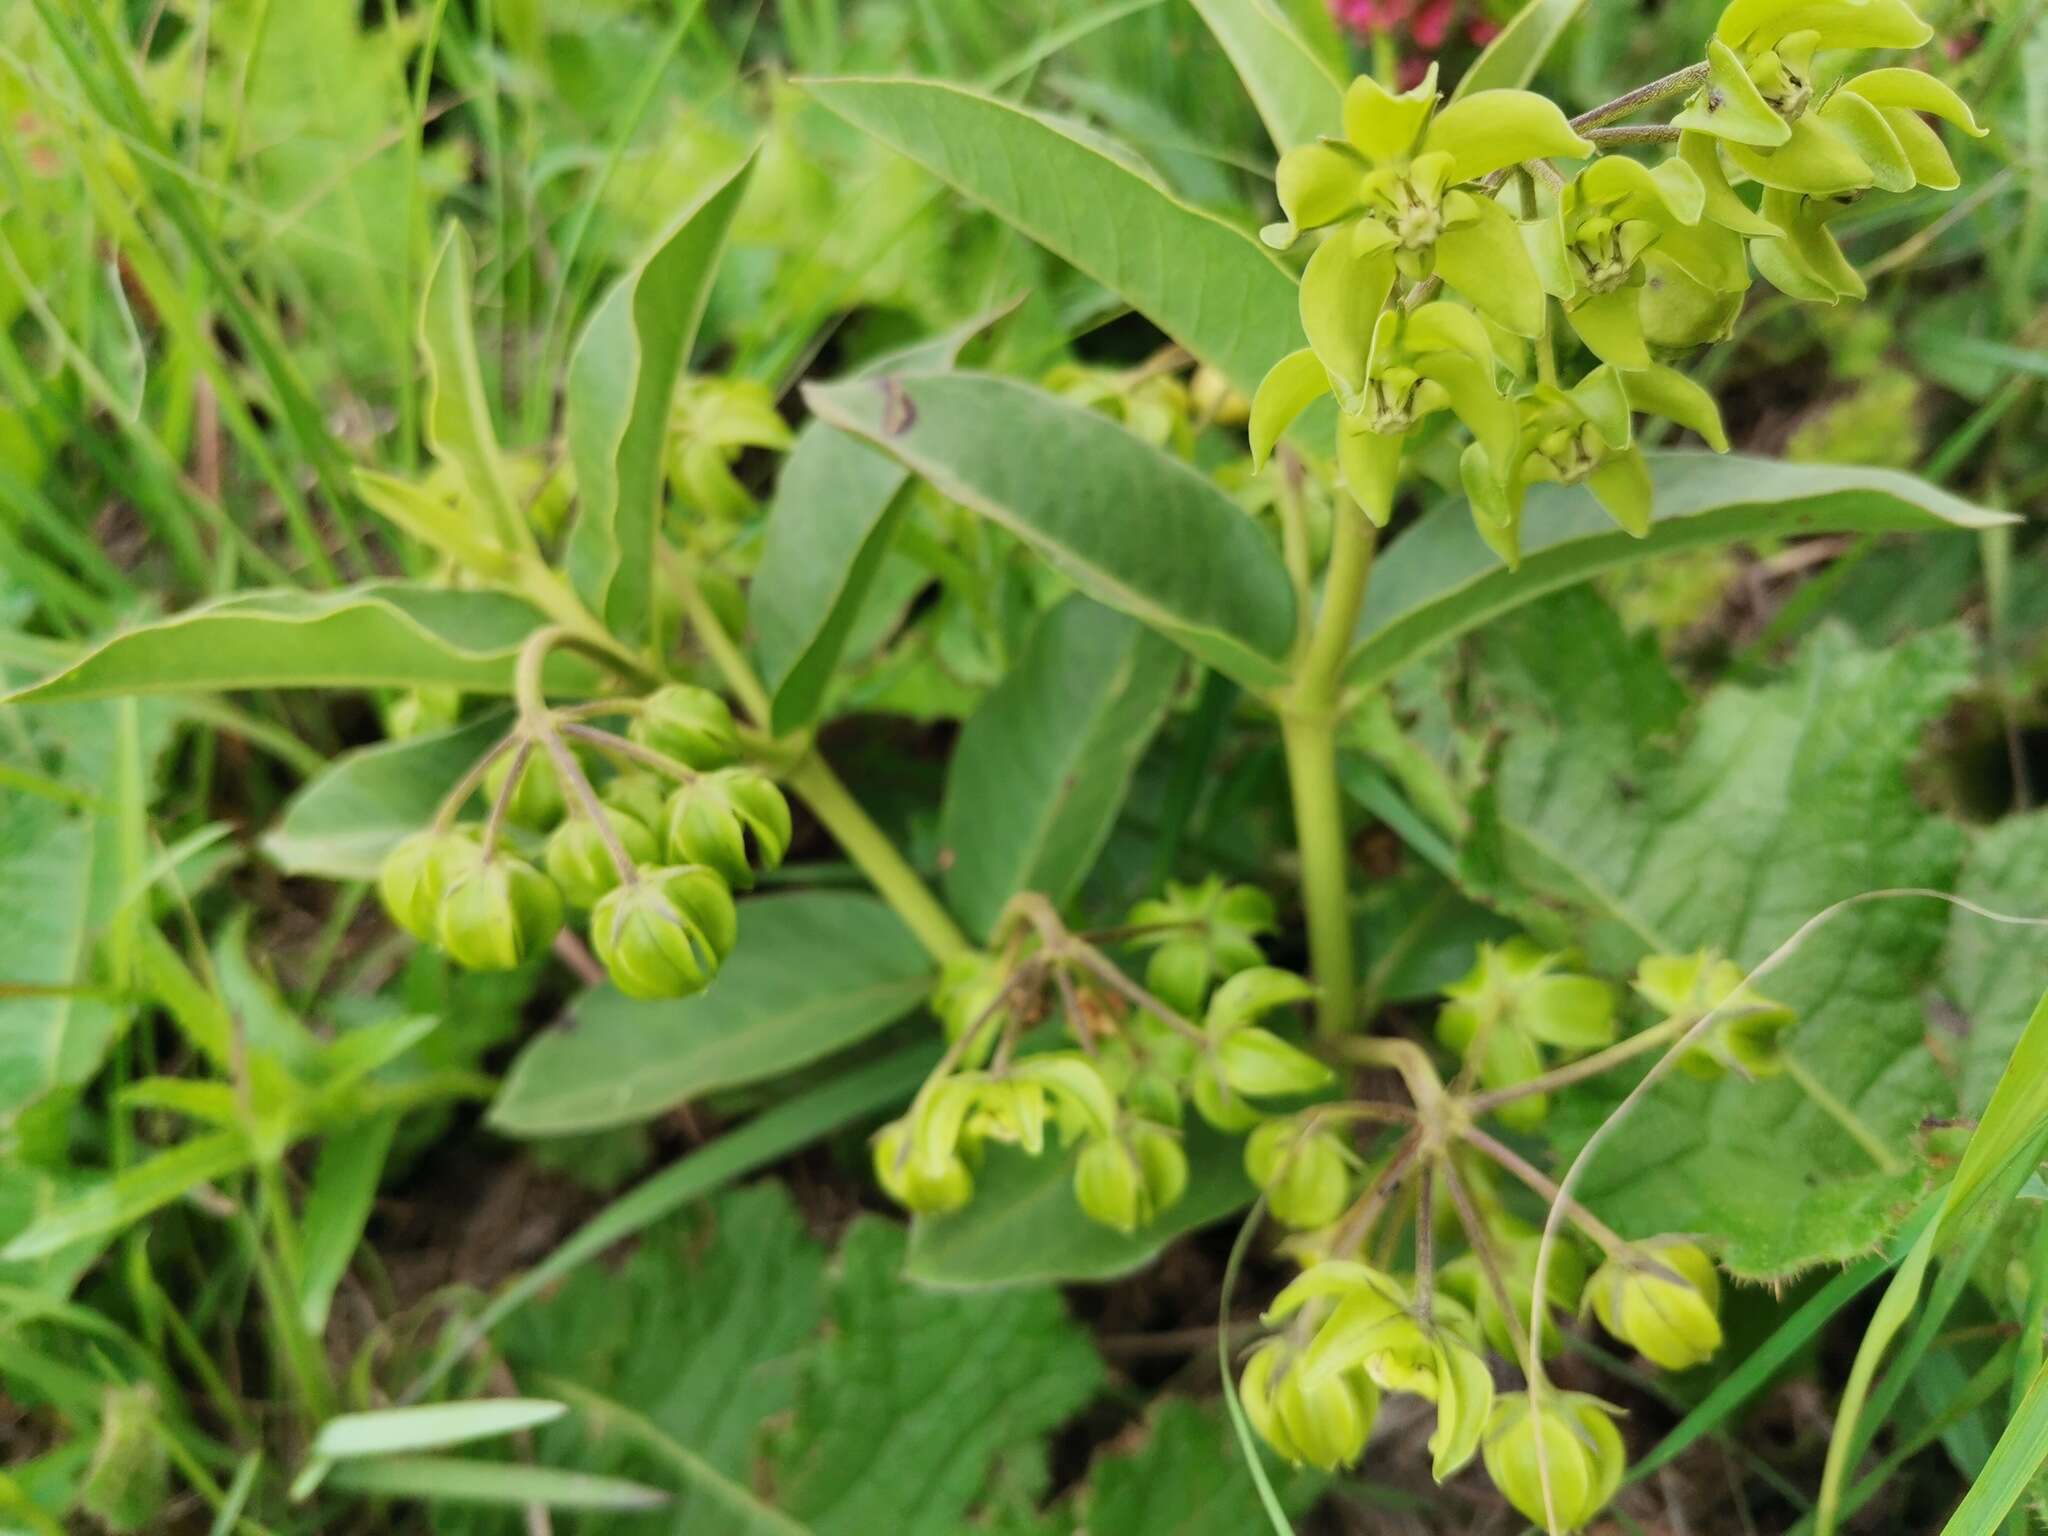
870, 849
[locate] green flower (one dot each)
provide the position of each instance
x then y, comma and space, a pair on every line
1397, 184
666, 933
1580, 1448
1125, 1181
1748, 1032
1201, 935
1324, 1426
720, 818
1407, 365
1663, 1299
912, 1183
1584, 433
690, 724
712, 422
1763, 100
1513, 1000
416, 874
1591, 251
497, 912
1304, 1172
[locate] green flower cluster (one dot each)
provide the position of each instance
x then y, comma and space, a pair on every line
1642, 261
652, 857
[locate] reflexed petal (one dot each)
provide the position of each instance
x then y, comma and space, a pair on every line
1925, 152
1318, 184
1916, 91
1816, 160
1496, 507
1492, 129
1782, 268
1463, 1404
1385, 127
1602, 399
1678, 311
1543, 239
1485, 262
1287, 390
1490, 419
1668, 393
1809, 246
1729, 106
1342, 292
1338, 1277
1685, 195
1754, 25
1707, 253
1371, 462
1865, 130
1703, 153
1445, 327
1622, 486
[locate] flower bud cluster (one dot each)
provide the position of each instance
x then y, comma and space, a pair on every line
653, 860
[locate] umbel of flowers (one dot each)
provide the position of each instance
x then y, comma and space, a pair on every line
1463, 247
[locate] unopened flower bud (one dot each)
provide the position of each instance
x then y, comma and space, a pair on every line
536, 800
691, 724
415, 877
965, 998
1662, 1299
1325, 1425
641, 796
580, 861
1305, 1173
911, 1183
717, 819
497, 913
1258, 1062
666, 933
1110, 1187
1580, 1446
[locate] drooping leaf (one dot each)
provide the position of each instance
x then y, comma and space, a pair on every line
1210, 287
341, 825
815, 973
912, 1401
1781, 801
1042, 767
835, 510
1297, 98
382, 635
1024, 1227
1439, 580
1517, 51
1134, 529
622, 380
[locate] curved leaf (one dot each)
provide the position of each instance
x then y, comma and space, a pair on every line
458, 413
817, 972
1042, 766
1296, 96
342, 824
429, 1426
1132, 528
381, 635
1518, 50
1209, 286
622, 379
1440, 580
1024, 1227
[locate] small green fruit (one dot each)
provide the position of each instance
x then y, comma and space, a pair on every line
1110, 1186
499, 912
714, 820
581, 863
691, 724
1305, 1174
911, 1183
667, 933
537, 798
416, 874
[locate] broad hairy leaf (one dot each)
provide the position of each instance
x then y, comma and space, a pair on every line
1134, 529
1212, 288
1517, 51
1439, 580
911, 1401
837, 503
1024, 1226
1994, 972
1615, 823
622, 380
1042, 766
341, 824
1297, 98
379, 635
817, 971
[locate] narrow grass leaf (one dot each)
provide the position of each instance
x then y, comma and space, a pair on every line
389, 1431
455, 1480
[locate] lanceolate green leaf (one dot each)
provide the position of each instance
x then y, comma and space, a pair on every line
458, 416
1210, 287
462, 1480
382, 635
131, 1195
2016, 1459
1134, 529
1042, 767
430, 1426
1297, 98
342, 824
836, 507
816, 972
1024, 1226
622, 380
1511, 60
1439, 580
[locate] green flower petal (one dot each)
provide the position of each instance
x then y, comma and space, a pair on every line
1384, 127
1709, 254
1925, 152
1680, 312
1370, 462
1318, 184
1754, 25
1446, 327
1863, 127
1668, 393
1287, 390
1496, 507
1492, 129
1916, 91
1809, 246
1601, 398
1782, 268
1816, 160
1544, 240
1485, 262
1622, 486
1723, 206
1342, 293
1611, 326
1473, 397
1729, 106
